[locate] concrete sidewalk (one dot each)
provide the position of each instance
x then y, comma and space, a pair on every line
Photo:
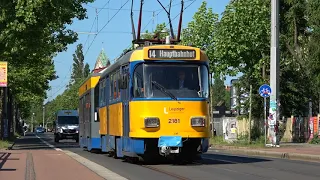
295, 152
42, 165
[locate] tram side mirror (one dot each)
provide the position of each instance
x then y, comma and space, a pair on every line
123, 81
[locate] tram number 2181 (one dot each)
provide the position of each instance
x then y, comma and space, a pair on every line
174, 120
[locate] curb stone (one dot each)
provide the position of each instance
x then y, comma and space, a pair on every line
212, 146
281, 155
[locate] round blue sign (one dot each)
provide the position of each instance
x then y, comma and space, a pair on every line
265, 90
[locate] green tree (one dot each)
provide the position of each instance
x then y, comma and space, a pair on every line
242, 45
159, 29
243, 37
218, 91
86, 70
200, 32
227, 99
300, 64
31, 33
79, 69
313, 62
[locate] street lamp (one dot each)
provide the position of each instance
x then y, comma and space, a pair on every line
32, 122
43, 116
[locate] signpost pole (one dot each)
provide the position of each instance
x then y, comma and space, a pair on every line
265, 106
265, 121
265, 91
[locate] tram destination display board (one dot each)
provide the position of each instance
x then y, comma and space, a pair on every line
171, 54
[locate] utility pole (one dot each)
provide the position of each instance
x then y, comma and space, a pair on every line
274, 67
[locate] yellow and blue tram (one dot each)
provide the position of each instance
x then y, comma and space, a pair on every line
153, 101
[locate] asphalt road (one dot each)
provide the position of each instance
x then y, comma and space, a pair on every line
214, 165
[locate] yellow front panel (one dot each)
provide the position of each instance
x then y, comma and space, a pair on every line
103, 120
137, 55
165, 110
88, 84
115, 119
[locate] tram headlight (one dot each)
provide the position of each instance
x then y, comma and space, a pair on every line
151, 122
198, 122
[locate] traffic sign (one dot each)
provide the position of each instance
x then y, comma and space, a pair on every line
265, 90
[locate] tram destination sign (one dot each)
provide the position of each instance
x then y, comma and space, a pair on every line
171, 54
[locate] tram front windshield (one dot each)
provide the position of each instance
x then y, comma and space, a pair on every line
171, 81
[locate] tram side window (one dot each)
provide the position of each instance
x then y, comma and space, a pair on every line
114, 90
102, 94
111, 87
87, 109
118, 89
138, 90
81, 110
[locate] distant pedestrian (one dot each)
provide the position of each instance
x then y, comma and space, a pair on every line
24, 130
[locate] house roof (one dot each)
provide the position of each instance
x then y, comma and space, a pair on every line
102, 60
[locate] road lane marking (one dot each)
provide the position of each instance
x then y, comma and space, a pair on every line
226, 161
96, 168
100, 170
50, 145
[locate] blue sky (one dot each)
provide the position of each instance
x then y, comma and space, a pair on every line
116, 34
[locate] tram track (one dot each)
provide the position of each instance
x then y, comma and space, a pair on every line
165, 172
156, 169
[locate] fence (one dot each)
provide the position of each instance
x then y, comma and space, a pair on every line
226, 127
218, 125
294, 129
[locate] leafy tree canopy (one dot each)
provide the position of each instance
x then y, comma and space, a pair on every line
31, 33
159, 28
79, 69
218, 91
201, 30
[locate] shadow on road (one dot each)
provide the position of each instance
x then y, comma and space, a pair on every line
216, 159
206, 159
32, 142
230, 159
29, 142
4, 157
66, 144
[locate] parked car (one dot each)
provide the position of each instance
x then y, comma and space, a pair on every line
39, 130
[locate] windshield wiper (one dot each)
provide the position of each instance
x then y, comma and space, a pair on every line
163, 89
